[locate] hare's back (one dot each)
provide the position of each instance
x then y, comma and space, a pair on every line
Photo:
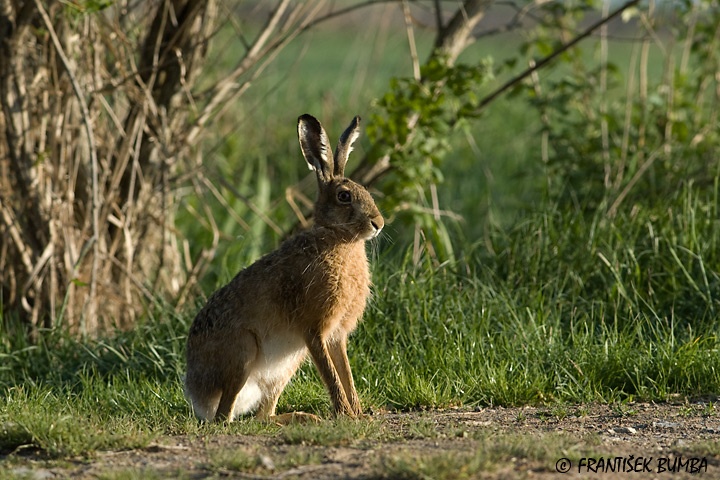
240, 304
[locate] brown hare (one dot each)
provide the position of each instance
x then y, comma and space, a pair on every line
308, 295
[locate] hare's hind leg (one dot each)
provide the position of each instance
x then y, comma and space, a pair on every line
269, 402
226, 407
235, 373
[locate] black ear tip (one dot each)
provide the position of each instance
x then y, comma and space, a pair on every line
309, 119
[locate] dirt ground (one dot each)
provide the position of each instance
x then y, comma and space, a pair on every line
586, 441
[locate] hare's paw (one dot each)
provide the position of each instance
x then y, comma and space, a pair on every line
295, 418
355, 406
358, 413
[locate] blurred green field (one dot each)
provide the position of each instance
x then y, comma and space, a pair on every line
494, 175
336, 73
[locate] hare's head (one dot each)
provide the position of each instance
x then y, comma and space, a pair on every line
342, 205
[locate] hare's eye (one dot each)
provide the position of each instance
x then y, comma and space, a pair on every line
344, 196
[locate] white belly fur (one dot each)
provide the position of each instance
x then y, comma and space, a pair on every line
279, 358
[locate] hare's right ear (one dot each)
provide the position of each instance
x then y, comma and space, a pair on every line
345, 146
314, 145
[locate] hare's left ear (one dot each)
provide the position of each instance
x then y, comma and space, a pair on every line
345, 146
314, 145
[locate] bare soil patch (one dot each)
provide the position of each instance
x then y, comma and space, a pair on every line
492, 443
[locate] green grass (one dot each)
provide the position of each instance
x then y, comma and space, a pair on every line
568, 309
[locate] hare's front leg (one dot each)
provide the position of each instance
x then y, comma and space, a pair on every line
337, 346
320, 353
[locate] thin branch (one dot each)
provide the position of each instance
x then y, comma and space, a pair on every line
11, 222
438, 15
540, 64
515, 22
457, 34
411, 40
227, 88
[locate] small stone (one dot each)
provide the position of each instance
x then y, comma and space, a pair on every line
626, 430
664, 424
267, 463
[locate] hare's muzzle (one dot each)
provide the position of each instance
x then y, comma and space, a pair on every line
377, 224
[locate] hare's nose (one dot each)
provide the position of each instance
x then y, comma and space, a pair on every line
378, 223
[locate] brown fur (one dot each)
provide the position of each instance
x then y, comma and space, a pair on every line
308, 295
